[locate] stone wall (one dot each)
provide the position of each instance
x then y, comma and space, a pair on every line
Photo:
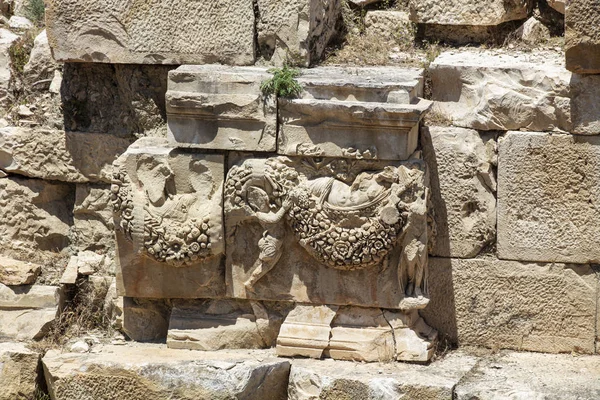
452, 196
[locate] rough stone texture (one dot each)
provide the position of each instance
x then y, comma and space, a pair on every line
41, 65
491, 90
372, 115
168, 216
123, 100
469, 12
582, 36
93, 227
507, 304
27, 312
222, 324
296, 30
166, 32
329, 380
532, 376
154, 372
533, 32
18, 23
386, 24
18, 371
7, 38
548, 197
558, 5
58, 155
35, 216
218, 107
463, 190
326, 231
144, 320
585, 109
14, 272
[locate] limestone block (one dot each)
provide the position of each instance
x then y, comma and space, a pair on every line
93, 227
463, 190
373, 116
222, 324
296, 30
585, 110
41, 65
532, 376
582, 36
218, 107
306, 331
35, 216
166, 32
558, 5
414, 340
316, 379
327, 231
487, 90
27, 312
14, 272
168, 220
533, 32
19, 371
7, 38
513, 305
122, 100
538, 176
386, 24
154, 372
58, 155
144, 320
469, 12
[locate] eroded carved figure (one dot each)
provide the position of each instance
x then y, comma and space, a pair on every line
349, 215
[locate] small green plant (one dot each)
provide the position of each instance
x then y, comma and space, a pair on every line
35, 11
283, 83
21, 49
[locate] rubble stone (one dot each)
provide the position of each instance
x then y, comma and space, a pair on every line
14, 272
18, 372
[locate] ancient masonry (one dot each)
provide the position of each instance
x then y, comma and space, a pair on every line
371, 213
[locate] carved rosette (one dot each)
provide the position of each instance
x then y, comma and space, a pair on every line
177, 244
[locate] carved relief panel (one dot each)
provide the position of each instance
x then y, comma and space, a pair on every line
167, 206
328, 231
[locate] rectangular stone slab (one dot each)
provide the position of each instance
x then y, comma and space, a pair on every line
582, 36
549, 198
163, 32
349, 129
168, 217
219, 107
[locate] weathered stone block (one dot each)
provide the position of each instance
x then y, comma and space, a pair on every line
93, 226
315, 379
218, 107
582, 36
327, 231
144, 320
532, 376
154, 372
558, 5
41, 66
7, 38
296, 30
27, 312
548, 198
386, 24
507, 304
372, 115
168, 215
489, 91
585, 110
166, 32
463, 190
19, 371
222, 324
469, 12
35, 217
58, 155
15, 272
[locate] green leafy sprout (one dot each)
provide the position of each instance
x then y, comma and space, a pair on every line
283, 83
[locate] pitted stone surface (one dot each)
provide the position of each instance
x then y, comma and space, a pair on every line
467, 12
496, 90
165, 32
548, 198
582, 36
463, 183
18, 371
154, 372
508, 304
7, 38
